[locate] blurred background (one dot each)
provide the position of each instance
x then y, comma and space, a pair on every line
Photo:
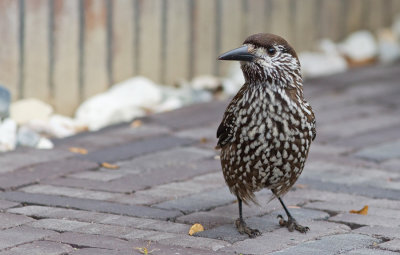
62, 52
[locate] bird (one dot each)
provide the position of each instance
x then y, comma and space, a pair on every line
267, 128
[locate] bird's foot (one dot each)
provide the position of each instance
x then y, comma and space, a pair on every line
244, 229
292, 224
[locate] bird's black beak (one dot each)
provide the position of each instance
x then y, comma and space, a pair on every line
239, 54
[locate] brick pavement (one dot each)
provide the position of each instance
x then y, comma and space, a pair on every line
169, 177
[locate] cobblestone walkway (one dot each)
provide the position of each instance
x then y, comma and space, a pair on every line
169, 177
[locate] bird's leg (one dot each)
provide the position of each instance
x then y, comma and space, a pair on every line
291, 223
241, 225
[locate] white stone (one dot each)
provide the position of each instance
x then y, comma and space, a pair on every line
45, 144
28, 109
396, 27
8, 135
207, 82
123, 102
328, 47
230, 86
63, 126
169, 104
5, 99
359, 46
318, 64
389, 48
27, 137
235, 74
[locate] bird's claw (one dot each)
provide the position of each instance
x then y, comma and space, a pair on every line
244, 229
292, 225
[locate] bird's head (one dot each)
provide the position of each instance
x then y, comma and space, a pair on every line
267, 58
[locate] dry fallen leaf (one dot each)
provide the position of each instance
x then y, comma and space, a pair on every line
301, 186
196, 228
109, 166
203, 140
136, 123
78, 150
145, 250
363, 211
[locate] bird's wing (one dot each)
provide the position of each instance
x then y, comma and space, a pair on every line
225, 130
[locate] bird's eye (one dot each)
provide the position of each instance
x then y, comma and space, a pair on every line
271, 51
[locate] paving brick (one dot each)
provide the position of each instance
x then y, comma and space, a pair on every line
70, 192
59, 225
339, 197
25, 157
61, 213
281, 238
90, 205
34, 174
174, 190
4, 204
96, 244
192, 116
195, 242
89, 184
111, 136
98, 251
99, 175
347, 174
266, 223
391, 164
85, 216
177, 157
134, 149
381, 152
365, 220
227, 214
379, 231
330, 245
392, 245
360, 125
366, 251
133, 180
374, 137
356, 189
199, 202
147, 224
40, 248
8, 220
19, 235
336, 207
94, 241
199, 133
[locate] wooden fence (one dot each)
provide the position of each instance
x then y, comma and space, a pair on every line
63, 51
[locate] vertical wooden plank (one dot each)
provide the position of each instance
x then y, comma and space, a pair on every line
177, 48
9, 24
231, 36
255, 19
395, 9
123, 39
150, 39
204, 37
375, 14
305, 26
330, 27
354, 16
281, 19
66, 56
36, 50
95, 51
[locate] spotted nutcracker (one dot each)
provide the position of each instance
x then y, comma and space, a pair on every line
267, 128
